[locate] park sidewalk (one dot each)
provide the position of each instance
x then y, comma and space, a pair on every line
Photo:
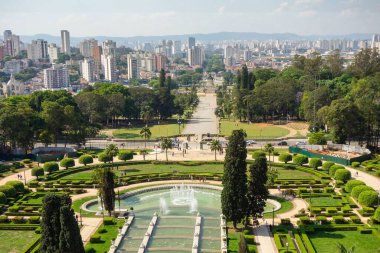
264, 240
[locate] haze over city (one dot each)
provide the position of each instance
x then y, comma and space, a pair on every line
164, 17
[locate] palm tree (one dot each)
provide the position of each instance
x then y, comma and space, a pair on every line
269, 148
145, 131
112, 150
143, 152
166, 144
343, 249
215, 146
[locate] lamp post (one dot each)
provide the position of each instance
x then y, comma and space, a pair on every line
155, 149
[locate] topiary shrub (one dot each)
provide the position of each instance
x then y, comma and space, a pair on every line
26, 161
351, 184
105, 158
285, 158
86, 159
3, 198
37, 172
258, 154
4, 219
50, 167
67, 163
343, 175
108, 221
355, 192
300, 159
18, 185
125, 155
368, 198
355, 164
89, 249
327, 165
376, 216
315, 163
95, 239
339, 219
8, 190
334, 168
18, 220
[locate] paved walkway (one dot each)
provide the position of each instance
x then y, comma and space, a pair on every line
264, 240
370, 180
89, 227
204, 119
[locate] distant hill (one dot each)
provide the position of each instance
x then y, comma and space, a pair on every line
207, 37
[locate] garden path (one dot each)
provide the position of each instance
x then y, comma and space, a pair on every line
89, 227
264, 240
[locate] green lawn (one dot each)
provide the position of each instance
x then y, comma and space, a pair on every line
15, 240
254, 131
167, 128
286, 206
112, 231
324, 201
284, 173
325, 242
233, 240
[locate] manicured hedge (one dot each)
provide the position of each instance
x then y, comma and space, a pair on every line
368, 198
351, 184
258, 154
125, 155
334, 168
8, 190
18, 185
355, 192
343, 175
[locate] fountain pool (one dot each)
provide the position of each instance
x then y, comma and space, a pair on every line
177, 207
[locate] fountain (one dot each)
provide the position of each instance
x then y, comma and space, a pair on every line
163, 206
100, 206
193, 206
183, 195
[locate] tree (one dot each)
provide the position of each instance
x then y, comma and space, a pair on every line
125, 155
86, 159
342, 175
269, 149
105, 179
145, 131
105, 158
368, 198
143, 152
257, 191
272, 175
37, 172
166, 144
215, 146
285, 158
317, 138
70, 239
161, 79
112, 150
67, 162
50, 167
300, 159
315, 163
54, 220
234, 193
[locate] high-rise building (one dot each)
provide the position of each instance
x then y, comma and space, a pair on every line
37, 50
195, 56
65, 38
109, 67
86, 47
247, 55
8, 47
109, 47
88, 69
2, 51
12, 43
160, 62
133, 70
97, 56
177, 47
56, 77
53, 52
7, 34
191, 42
376, 41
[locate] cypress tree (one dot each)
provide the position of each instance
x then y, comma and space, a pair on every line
244, 77
105, 178
238, 79
234, 193
70, 239
161, 79
251, 81
257, 191
169, 83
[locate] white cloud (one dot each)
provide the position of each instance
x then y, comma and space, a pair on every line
307, 2
221, 9
347, 12
283, 6
307, 13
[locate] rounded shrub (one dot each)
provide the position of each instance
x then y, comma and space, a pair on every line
86, 159
343, 175
327, 165
8, 190
352, 183
315, 163
103, 157
285, 157
300, 159
50, 167
18, 185
125, 155
355, 164
334, 168
376, 216
258, 154
368, 198
67, 163
37, 172
355, 192
3, 198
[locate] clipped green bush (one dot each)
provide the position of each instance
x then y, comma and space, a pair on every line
334, 168
86, 159
8, 190
3, 198
352, 183
108, 221
368, 198
67, 163
355, 192
95, 238
4, 219
355, 164
315, 163
125, 155
376, 216
258, 154
105, 158
327, 165
89, 249
339, 219
37, 172
285, 157
26, 161
343, 175
18, 185
300, 160
50, 167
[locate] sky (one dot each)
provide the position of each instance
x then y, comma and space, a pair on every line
170, 17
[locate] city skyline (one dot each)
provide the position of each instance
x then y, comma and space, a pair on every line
127, 18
